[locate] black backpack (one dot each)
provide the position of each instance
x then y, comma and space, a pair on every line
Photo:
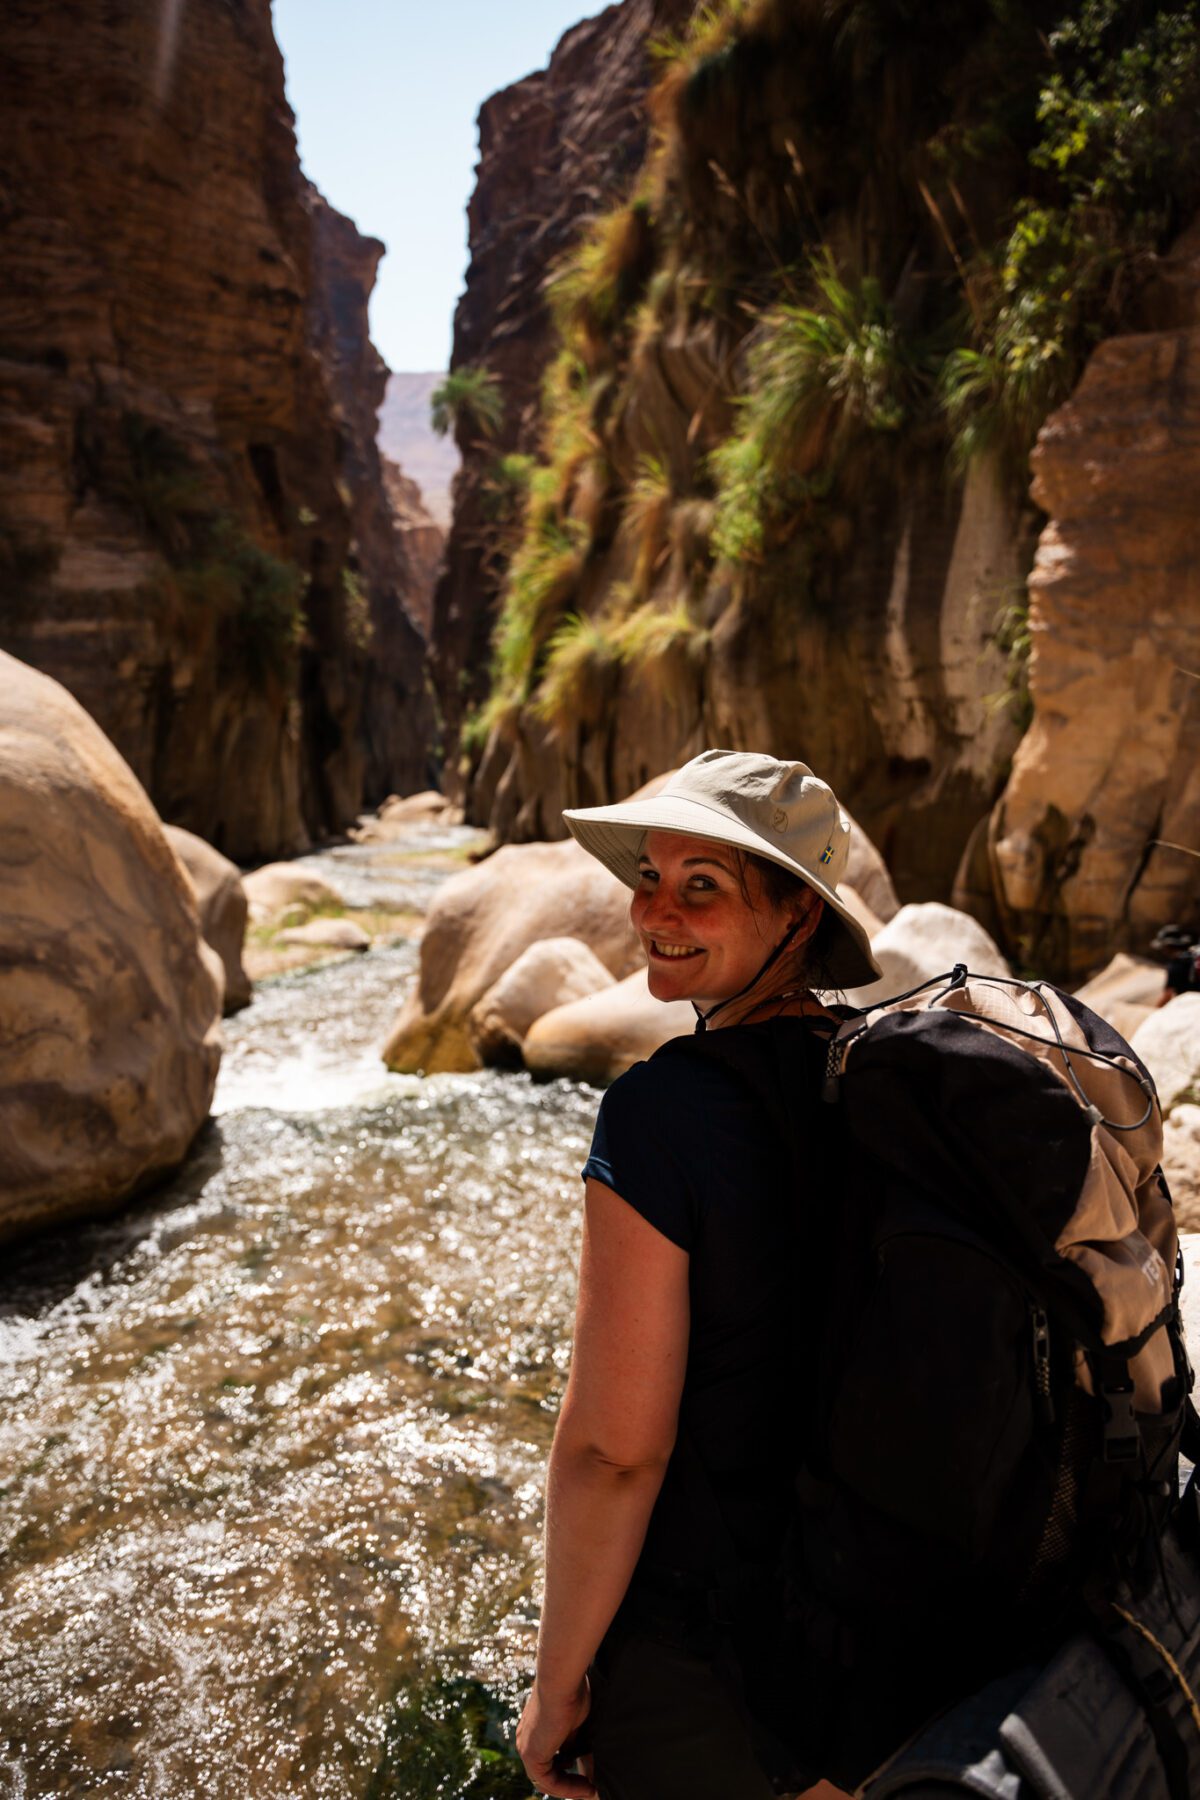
1000, 1380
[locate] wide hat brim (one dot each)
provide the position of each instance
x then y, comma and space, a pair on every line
614, 835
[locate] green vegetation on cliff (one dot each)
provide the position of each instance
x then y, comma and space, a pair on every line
894, 231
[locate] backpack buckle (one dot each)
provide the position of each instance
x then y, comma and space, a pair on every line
1122, 1439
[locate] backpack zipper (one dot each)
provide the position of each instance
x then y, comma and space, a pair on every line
1041, 1362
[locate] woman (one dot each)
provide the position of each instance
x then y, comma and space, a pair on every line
669, 1465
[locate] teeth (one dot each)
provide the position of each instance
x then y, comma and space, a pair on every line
676, 950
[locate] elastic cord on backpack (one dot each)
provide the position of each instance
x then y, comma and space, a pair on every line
959, 977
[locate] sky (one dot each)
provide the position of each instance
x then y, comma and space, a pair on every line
385, 94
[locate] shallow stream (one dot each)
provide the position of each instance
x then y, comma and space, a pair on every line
273, 1439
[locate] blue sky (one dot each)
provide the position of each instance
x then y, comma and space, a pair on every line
385, 97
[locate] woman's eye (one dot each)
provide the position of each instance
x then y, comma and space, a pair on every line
704, 882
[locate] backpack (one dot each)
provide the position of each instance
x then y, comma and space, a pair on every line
999, 1377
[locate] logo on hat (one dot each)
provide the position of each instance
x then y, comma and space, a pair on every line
827, 854
779, 819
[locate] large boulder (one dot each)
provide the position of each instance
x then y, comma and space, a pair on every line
927, 940
223, 906
1181, 1166
549, 974
276, 886
1125, 992
110, 1004
598, 1038
328, 934
479, 924
1168, 1042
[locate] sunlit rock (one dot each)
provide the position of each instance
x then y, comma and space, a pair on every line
221, 899
328, 934
1168, 1042
480, 923
927, 940
598, 1038
1125, 992
547, 975
277, 886
110, 1000
1181, 1166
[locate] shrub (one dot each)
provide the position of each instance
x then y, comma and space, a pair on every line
257, 599
468, 400
158, 481
356, 609
542, 578
648, 514
821, 381
580, 658
597, 284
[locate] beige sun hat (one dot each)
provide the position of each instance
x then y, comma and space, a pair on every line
779, 810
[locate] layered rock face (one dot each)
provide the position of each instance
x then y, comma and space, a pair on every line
553, 150
422, 542
110, 1006
387, 578
173, 542
874, 658
1095, 841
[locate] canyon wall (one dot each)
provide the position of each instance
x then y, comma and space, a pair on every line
1096, 839
889, 241
177, 482
553, 150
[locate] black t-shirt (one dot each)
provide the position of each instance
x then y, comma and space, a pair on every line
691, 1147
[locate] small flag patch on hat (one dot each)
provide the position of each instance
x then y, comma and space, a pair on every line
827, 854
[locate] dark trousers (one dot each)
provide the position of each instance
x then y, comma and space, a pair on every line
665, 1727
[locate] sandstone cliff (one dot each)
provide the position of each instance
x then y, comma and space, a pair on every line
1096, 840
422, 542
553, 150
176, 526
386, 578
407, 437
780, 492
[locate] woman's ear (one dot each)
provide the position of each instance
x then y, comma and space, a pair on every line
807, 914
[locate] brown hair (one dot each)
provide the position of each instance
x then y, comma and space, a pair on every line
780, 885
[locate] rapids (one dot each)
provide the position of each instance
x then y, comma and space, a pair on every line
273, 1438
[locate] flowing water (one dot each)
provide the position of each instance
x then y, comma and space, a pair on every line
273, 1440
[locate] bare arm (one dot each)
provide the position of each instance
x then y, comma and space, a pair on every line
615, 1434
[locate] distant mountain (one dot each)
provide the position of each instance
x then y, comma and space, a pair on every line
406, 435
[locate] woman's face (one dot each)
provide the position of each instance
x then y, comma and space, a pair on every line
703, 940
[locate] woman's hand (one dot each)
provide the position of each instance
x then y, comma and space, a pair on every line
544, 1741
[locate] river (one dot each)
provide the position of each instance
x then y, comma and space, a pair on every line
273, 1438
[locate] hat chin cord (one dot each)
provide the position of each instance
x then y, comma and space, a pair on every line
702, 1018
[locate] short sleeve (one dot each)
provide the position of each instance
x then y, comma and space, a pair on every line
642, 1123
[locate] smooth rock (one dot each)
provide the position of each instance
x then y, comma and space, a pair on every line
598, 1038
867, 873
1168, 1042
927, 940
1181, 1166
110, 1001
328, 934
478, 925
223, 906
428, 805
547, 975
279, 885
1125, 992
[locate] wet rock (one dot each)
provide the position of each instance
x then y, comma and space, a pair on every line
111, 1001
927, 940
598, 1038
277, 886
223, 906
549, 974
328, 934
1181, 1166
1168, 1042
1125, 992
480, 923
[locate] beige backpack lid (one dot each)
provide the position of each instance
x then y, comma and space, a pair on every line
759, 804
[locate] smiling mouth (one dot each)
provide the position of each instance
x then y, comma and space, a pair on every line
675, 952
